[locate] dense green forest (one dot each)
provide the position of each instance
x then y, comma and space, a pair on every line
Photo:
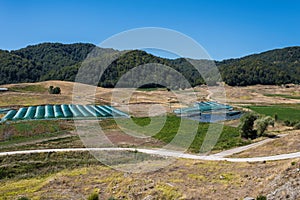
55, 61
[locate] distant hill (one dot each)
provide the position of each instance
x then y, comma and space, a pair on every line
277, 66
55, 61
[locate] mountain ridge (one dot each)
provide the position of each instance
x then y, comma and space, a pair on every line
57, 61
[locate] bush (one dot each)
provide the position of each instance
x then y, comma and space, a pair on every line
293, 163
290, 123
261, 197
287, 122
54, 90
94, 196
297, 126
23, 198
276, 117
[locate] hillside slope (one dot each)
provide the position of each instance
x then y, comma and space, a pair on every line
55, 61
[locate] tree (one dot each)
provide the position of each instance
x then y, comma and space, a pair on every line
54, 90
276, 117
246, 125
262, 124
50, 89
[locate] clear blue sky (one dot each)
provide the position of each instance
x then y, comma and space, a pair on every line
225, 28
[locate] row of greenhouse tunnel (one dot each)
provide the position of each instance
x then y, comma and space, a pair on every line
63, 111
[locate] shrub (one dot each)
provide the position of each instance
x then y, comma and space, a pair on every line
54, 90
261, 197
293, 163
287, 122
276, 117
290, 123
23, 198
94, 196
297, 126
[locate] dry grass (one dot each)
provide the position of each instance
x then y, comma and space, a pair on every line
282, 145
184, 179
256, 94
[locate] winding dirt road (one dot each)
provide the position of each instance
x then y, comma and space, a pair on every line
163, 152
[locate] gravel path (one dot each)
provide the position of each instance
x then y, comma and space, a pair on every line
162, 152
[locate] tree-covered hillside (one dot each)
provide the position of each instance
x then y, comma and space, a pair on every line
55, 61
36, 62
278, 66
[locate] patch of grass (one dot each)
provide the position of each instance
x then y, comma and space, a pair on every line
22, 139
50, 143
29, 88
227, 178
41, 164
283, 96
168, 192
283, 111
20, 131
142, 121
197, 177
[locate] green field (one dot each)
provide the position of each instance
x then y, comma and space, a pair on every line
230, 136
283, 111
283, 96
16, 132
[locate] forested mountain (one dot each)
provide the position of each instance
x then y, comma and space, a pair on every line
278, 66
36, 62
55, 61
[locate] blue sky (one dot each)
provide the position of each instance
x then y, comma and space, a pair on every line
225, 29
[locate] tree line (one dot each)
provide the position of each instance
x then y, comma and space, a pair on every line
55, 61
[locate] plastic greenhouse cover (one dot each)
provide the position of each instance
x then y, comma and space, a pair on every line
84, 111
92, 110
9, 115
20, 114
75, 111
66, 111
49, 112
30, 113
102, 114
58, 112
107, 112
40, 112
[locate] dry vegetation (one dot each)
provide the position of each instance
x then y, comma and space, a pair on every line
286, 144
184, 179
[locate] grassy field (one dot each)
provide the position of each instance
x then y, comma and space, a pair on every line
229, 137
15, 132
283, 111
283, 96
